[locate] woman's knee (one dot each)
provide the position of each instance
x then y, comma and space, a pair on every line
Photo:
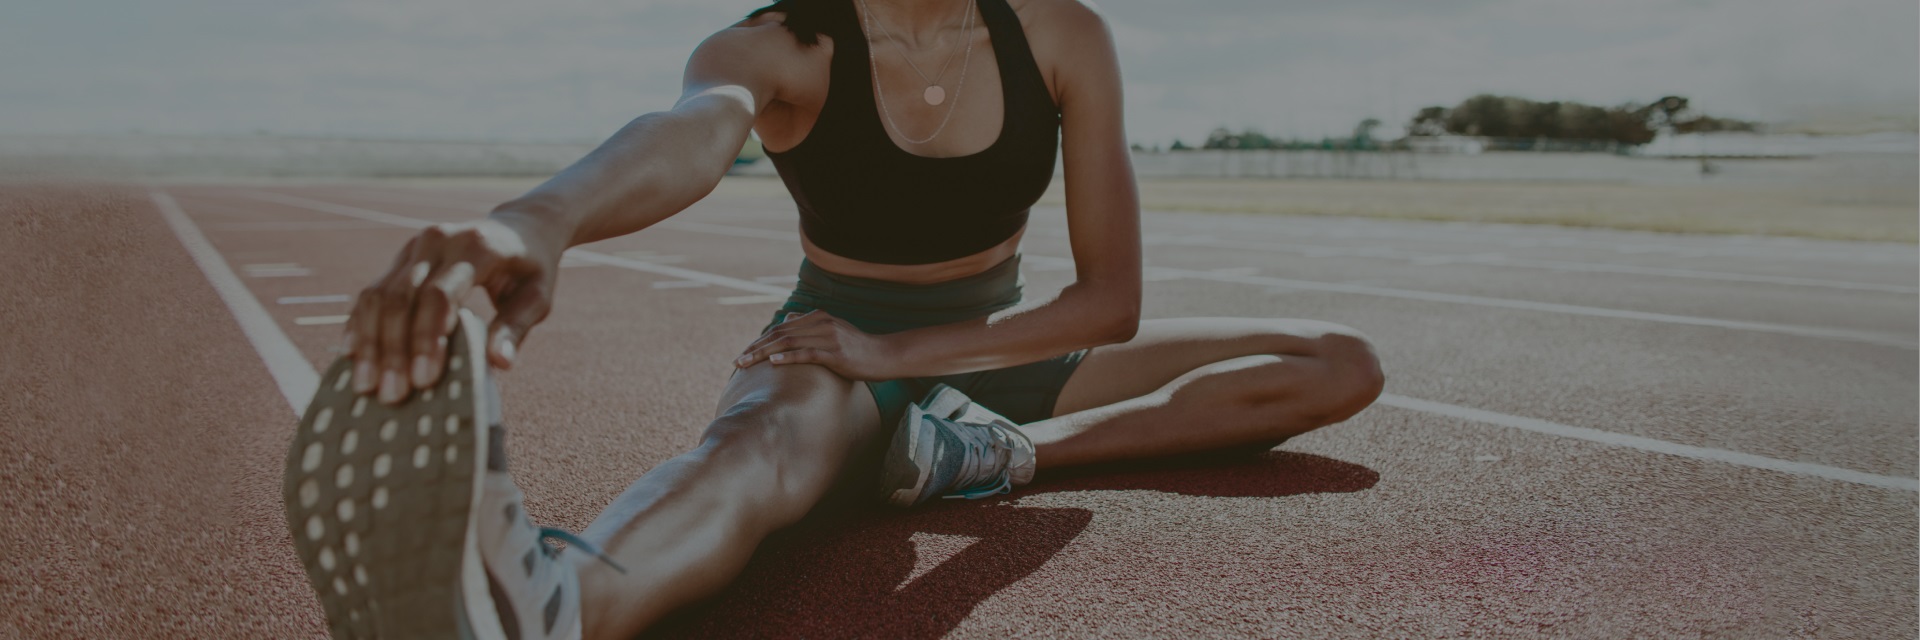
1356, 377
794, 436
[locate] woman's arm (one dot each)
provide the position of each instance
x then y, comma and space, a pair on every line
662, 162
651, 169
1102, 306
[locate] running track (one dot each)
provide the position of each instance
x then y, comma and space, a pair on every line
1587, 434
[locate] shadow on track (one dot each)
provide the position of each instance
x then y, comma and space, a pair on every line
849, 570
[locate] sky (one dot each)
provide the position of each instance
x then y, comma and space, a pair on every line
579, 69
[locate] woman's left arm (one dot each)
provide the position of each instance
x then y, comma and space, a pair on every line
1102, 306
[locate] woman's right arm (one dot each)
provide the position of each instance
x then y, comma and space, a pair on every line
652, 168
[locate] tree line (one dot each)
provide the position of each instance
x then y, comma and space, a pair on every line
1493, 116
1510, 117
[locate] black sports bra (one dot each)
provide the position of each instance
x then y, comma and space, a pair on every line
863, 197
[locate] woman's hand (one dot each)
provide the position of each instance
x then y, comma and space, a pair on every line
398, 329
815, 337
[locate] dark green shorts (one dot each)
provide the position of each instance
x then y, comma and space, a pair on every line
1023, 393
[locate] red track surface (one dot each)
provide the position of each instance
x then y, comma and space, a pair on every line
144, 435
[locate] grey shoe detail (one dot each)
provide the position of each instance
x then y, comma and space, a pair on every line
948, 445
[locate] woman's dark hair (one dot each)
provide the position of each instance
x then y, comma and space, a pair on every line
807, 19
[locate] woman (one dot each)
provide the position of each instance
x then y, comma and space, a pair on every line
913, 135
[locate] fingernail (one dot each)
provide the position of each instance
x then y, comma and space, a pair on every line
392, 388
422, 371
506, 349
742, 361
363, 380
777, 357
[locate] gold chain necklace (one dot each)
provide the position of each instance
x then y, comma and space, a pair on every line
934, 94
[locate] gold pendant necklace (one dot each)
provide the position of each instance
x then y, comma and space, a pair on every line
934, 94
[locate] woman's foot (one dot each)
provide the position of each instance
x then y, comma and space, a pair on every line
407, 521
950, 446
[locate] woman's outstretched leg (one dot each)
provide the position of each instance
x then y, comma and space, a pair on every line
1186, 385
781, 440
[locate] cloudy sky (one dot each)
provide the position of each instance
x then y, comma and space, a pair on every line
578, 69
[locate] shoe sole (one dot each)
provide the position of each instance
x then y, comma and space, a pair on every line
909, 457
381, 502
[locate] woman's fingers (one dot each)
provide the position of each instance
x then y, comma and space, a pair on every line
804, 356
772, 350
435, 310
517, 308
794, 323
364, 327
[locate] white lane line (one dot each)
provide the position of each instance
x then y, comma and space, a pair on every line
754, 299
314, 299
679, 284
276, 271
1883, 339
310, 321
1534, 236
1649, 444
1414, 404
1417, 258
325, 225
1158, 274
1489, 259
290, 370
787, 279
322, 206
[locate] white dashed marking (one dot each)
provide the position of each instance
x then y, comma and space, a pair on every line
309, 321
276, 270
332, 299
679, 284
766, 299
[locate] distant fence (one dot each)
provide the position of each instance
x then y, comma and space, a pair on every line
156, 156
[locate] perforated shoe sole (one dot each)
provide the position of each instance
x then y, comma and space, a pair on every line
382, 499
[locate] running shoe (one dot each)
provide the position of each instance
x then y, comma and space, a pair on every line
407, 521
949, 446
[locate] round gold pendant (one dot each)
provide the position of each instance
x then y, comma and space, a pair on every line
934, 95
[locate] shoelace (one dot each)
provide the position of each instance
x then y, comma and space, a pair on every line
575, 542
983, 472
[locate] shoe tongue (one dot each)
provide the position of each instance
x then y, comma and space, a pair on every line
985, 457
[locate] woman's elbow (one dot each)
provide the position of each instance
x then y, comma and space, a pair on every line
1123, 323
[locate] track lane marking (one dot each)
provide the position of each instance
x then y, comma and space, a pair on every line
291, 372
1154, 274
1417, 258
1492, 259
1535, 425
1850, 335
578, 254
1480, 415
314, 299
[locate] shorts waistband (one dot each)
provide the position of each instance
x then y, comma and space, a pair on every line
996, 288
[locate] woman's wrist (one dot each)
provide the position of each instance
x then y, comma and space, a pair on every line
544, 232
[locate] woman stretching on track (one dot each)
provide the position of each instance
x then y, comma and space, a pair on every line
914, 135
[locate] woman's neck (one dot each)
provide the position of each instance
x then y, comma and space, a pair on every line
917, 23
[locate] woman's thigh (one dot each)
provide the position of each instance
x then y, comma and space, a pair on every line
1165, 349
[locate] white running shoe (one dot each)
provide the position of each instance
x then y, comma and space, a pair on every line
407, 521
947, 445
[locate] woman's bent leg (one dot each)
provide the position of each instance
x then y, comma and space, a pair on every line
782, 437
1187, 385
